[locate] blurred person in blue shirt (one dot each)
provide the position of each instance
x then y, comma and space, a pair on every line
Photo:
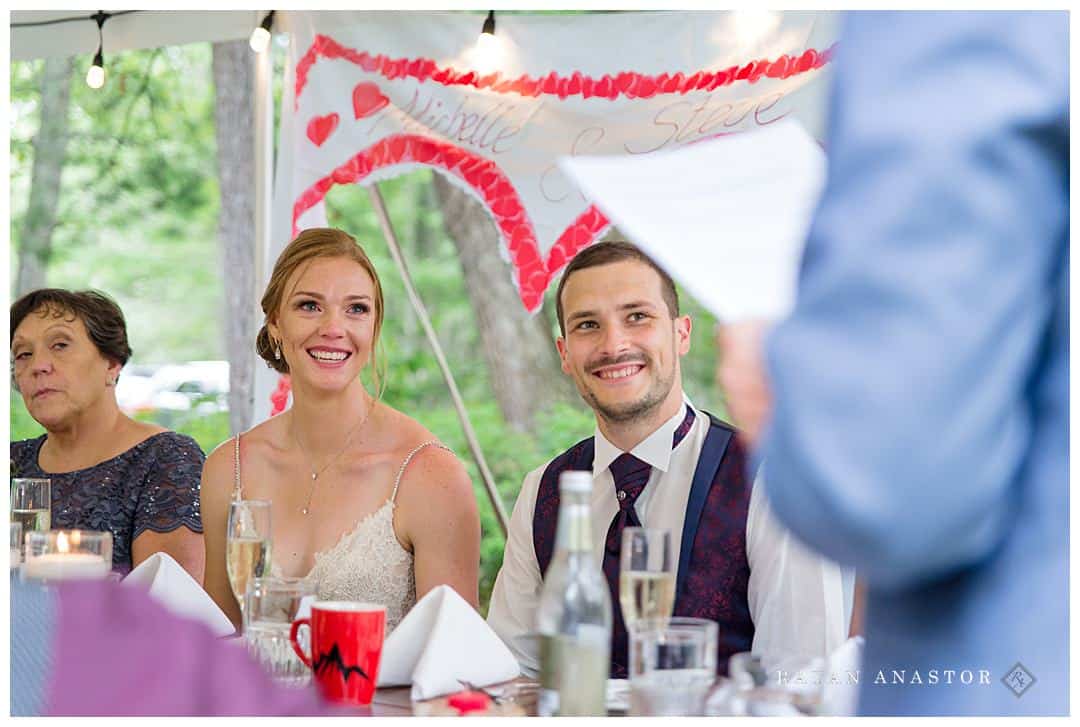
913, 410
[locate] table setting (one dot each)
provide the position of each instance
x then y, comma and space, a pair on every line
443, 659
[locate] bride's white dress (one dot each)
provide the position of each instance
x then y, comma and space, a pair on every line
368, 563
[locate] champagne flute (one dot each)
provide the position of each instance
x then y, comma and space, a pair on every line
247, 553
646, 577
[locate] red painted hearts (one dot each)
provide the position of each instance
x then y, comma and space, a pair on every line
367, 99
321, 127
532, 269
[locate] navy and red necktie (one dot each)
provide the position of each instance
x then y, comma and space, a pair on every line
630, 475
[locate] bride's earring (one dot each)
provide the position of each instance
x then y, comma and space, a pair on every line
277, 352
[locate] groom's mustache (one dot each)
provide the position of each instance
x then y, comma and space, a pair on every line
626, 358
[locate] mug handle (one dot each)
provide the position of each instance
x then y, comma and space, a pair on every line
295, 645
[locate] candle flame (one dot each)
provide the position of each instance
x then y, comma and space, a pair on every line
61, 543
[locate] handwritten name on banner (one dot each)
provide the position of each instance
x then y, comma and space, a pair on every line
372, 95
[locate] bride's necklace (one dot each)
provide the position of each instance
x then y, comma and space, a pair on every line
316, 472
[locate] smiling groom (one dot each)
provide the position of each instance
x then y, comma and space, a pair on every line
659, 462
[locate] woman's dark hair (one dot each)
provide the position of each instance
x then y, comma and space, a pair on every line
100, 314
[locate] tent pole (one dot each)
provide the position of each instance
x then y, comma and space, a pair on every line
425, 321
263, 182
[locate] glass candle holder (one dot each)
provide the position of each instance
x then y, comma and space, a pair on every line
64, 555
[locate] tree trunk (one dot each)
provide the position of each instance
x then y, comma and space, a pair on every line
518, 347
234, 114
50, 148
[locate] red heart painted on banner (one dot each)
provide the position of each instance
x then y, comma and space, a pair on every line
367, 99
533, 269
321, 127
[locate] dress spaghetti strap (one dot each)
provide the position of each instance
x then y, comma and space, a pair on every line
408, 458
236, 469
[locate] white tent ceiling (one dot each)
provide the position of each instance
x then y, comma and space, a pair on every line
141, 29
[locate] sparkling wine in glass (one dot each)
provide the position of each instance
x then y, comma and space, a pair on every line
646, 576
247, 548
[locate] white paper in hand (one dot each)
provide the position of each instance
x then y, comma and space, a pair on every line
441, 642
727, 217
172, 586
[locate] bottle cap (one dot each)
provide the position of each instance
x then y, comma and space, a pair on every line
575, 481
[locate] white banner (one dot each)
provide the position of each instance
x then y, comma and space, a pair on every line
371, 95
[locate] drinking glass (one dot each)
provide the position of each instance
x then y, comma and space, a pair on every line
16, 545
775, 685
31, 503
247, 545
672, 666
272, 604
646, 577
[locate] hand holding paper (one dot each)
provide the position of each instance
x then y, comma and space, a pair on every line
726, 217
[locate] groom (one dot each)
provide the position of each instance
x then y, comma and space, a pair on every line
659, 462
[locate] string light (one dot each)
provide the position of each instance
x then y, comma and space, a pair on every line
753, 26
95, 76
260, 37
69, 19
487, 52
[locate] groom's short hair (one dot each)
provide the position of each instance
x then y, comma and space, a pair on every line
606, 253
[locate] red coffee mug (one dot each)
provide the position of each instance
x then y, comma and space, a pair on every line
346, 643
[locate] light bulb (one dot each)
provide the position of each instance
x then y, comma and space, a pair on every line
260, 39
754, 26
95, 77
488, 53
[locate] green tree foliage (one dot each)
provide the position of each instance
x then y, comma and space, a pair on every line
139, 197
138, 211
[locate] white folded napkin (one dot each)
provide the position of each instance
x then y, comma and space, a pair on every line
167, 582
840, 695
440, 641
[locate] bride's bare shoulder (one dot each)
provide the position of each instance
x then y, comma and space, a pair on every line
262, 440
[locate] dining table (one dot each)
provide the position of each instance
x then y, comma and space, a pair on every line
397, 701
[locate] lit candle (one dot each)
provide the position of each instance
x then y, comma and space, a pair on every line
65, 567
63, 564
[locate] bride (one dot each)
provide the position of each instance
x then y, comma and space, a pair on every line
366, 502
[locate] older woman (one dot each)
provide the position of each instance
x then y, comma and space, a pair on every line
367, 504
109, 472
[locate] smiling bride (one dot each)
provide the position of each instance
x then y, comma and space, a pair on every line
366, 502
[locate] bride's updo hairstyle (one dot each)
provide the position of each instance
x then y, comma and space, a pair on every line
309, 245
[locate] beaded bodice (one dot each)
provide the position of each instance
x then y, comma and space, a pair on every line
368, 563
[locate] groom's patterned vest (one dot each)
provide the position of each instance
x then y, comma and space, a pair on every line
713, 569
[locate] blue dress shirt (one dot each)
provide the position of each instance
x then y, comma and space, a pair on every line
920, 428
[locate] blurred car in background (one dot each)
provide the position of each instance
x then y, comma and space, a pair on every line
162, 392
135, 389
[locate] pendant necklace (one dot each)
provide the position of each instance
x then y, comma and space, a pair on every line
316, 472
